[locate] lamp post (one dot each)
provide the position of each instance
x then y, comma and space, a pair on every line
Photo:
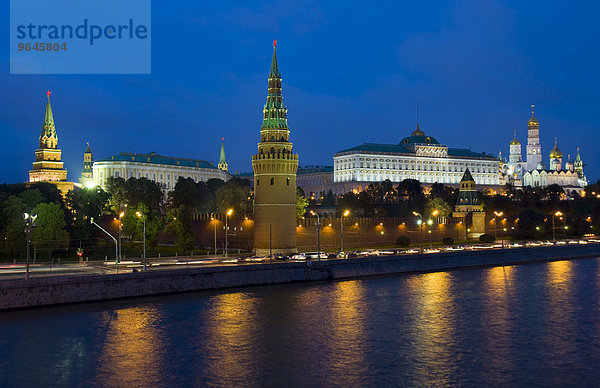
420, 223
229, 212
345, 214
559, 214
114, 240
120, 254
497, 214
29, 225
213, 220
143, 217
318, 225
382, 233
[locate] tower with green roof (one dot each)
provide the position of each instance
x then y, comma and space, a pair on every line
275, 168
48, 166
222, 160
469, 208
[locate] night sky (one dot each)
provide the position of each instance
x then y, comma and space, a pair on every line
352, 72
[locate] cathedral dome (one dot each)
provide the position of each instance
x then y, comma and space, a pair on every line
515, 141
418, 137
555, 153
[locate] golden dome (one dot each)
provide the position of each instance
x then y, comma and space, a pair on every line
515, 141
555, 153
532, 119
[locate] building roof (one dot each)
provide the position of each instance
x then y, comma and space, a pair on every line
399, 149
314, 169
154, 158
467, 177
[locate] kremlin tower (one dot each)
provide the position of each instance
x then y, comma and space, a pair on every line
48, 166
275, 168
222, 160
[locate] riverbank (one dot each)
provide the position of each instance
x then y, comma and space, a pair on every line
46, 291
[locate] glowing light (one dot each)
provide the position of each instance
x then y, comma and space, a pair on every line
48, 93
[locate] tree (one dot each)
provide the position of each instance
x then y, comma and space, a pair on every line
328, 199
443, 209
231, 195
12, 225
178, 224
301, 203
185, 194
50, 233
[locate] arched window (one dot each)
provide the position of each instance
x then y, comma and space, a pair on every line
257, 181
272, 181
288, 181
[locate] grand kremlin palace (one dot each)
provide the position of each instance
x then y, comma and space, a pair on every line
418, 156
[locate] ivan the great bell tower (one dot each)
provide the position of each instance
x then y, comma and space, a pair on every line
275, 168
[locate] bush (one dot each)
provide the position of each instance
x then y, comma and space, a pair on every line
403, 241
486, 238
448, 241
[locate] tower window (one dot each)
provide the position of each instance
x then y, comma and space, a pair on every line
257, 181
272, 181
288, 181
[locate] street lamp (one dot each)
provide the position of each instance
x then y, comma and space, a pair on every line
120, 254
345, 214
382, 233
229, 212
143, 217
318, 225
29, 225
497, 214
420, 223
114, 240
557, 214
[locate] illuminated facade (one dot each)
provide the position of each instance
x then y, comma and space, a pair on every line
469, 207
533, 171
275, 168
48, 166
417, 156
163, 170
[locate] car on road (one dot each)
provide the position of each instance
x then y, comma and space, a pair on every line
315, 255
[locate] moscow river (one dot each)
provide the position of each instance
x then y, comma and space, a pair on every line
527, 325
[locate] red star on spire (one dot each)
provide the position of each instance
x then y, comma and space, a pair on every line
48, 93
274, 43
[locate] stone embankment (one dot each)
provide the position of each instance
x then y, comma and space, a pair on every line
45, 291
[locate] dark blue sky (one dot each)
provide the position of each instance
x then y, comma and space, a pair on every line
352, 72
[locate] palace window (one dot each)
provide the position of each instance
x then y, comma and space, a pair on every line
272, 181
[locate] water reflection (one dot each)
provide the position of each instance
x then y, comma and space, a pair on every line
496, 322
132, 352
230, 334
560, 314
348, 338
434, 330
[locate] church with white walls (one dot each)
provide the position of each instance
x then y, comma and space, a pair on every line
532, 171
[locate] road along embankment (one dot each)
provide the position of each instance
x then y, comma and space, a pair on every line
45, 291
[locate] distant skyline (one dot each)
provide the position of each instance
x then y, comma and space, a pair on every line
351, 74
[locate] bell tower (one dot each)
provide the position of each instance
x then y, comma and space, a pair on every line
275, 168
534, 149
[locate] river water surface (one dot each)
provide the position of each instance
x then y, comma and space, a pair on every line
528, 325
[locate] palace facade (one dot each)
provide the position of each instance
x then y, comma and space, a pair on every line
417, 156
163, 170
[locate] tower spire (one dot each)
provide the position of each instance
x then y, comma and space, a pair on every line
222, 160
274, 68
48, 137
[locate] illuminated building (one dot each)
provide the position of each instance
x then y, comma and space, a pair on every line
87, 174
533, 171
48, 166
275, 168
163, 170
417, 156
469, 207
